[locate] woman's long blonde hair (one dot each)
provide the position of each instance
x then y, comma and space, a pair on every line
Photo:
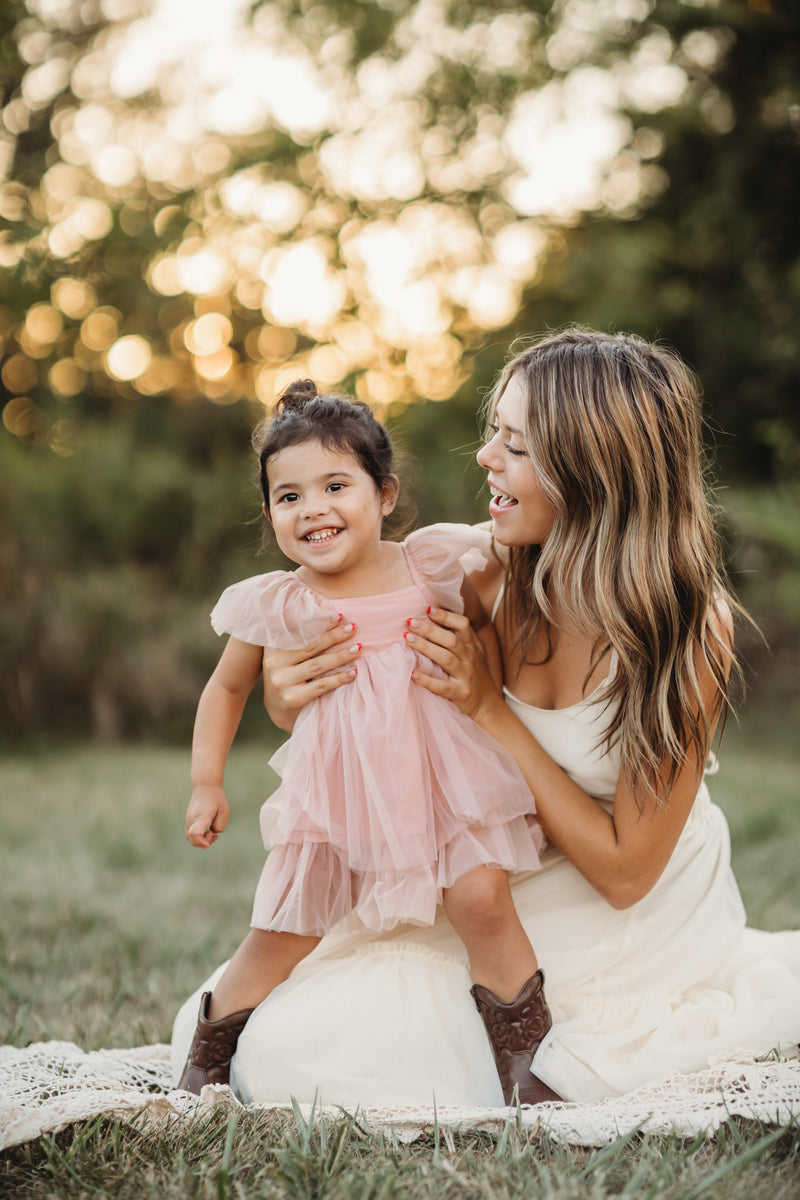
613, 431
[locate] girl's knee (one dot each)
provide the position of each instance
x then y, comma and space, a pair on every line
480, 900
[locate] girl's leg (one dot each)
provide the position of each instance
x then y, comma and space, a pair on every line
508, 988
263, 960
481, 910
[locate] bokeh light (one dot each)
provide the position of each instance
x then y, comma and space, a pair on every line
231, 196
74, 297
99, 329
129, 357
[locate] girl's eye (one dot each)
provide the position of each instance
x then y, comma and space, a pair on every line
336, 487
288, 496
517, 453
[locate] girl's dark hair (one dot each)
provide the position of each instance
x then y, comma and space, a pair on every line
302, 414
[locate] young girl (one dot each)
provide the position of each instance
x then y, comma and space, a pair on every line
391, 799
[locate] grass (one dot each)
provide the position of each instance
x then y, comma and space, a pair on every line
265, 1156
110, 919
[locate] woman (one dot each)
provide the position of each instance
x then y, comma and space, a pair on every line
616, 633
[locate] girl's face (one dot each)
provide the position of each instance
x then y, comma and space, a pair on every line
521, 513
325, 510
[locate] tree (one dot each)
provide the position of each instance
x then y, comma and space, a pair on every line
387, 200
374, 195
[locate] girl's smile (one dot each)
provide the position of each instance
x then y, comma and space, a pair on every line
327, 512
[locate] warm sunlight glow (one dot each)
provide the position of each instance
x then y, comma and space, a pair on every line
298, 198
128, 357
201, 272
99, 329
300, 288
44, 323
74, 297
208, 334
216, 365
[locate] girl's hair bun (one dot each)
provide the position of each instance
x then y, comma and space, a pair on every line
297, 395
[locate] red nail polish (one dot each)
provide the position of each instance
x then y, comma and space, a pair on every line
429, 608
340, 616
409, 620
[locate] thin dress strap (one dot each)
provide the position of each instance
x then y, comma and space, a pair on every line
498, 601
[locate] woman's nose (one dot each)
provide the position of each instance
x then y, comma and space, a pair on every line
487, 453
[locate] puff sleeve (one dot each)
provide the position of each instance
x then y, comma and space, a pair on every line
273, 610
439, 557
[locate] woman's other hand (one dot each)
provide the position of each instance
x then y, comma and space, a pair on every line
449, 640
294, 677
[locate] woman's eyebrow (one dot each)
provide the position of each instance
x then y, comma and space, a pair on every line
504, 425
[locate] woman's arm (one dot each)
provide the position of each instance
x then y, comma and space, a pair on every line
218, 715
292, 678
621, 854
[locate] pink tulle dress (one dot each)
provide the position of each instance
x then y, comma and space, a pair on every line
388, 793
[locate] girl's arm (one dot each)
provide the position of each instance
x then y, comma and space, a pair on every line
621, 854
218, 715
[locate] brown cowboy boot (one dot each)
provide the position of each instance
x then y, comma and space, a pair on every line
212, 1048
515, 1031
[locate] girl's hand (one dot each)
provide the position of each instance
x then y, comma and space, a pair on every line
207, 815
449, 640
294, 677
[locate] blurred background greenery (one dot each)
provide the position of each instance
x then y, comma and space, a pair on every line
201, 202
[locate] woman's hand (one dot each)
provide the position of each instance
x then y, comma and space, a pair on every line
207, 815
449, 640
294, 677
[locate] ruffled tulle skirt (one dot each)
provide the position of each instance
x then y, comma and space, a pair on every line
389, 795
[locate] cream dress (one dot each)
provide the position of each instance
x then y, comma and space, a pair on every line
387, 1019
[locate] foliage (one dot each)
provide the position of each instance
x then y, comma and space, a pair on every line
111, 560
165, 270
375, 233
713, 263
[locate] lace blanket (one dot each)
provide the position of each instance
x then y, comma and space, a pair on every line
49, 1085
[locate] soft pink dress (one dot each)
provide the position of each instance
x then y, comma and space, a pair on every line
389, 793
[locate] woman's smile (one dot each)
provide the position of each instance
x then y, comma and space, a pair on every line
521, 512
500, 501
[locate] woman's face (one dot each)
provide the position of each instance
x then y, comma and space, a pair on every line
521, 513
